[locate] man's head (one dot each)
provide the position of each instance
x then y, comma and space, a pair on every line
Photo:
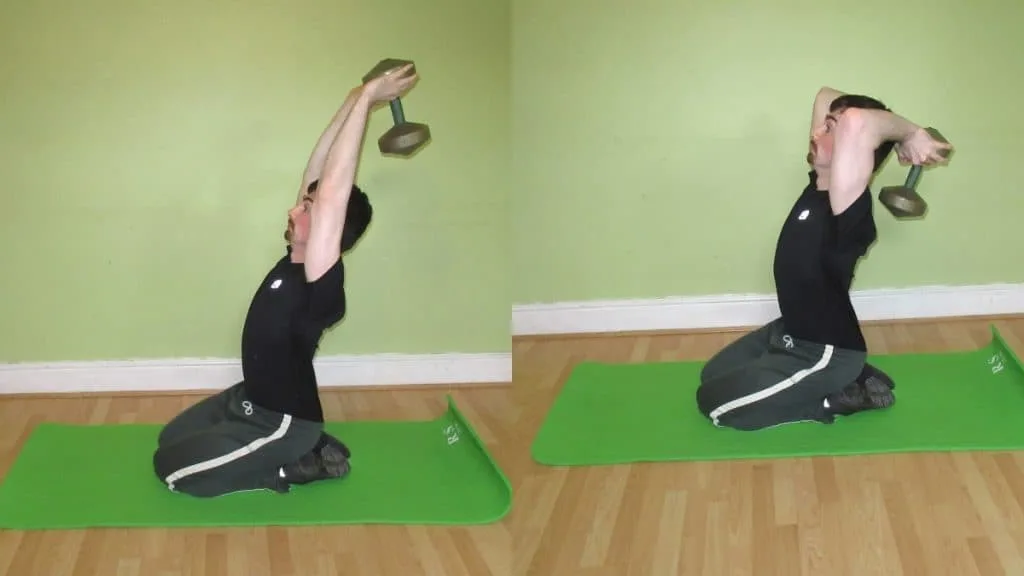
357, 218
823, 141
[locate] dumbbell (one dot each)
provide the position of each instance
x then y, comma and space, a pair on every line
404, 138
904, 201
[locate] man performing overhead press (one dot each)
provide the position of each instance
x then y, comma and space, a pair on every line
810, 363
266, 432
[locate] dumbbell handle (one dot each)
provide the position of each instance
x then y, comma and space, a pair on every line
913, 176
396, 111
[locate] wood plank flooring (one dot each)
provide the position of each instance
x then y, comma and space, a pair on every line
915, 515
313, 551
900, 515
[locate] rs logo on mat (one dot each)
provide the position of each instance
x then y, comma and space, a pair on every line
452, 432
997, 363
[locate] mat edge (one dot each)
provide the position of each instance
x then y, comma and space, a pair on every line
457, 414
998, 339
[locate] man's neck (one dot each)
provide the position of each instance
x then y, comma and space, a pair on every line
823, 179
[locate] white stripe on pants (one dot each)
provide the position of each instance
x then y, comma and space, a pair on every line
774, 389
230, 456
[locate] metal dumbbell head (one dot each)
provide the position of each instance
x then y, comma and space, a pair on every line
903, 202
387, 65
404, 139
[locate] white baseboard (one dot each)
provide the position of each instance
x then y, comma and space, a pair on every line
187, 374
674, 313
746, 310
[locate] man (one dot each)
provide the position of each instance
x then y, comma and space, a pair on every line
810, 363
266, 432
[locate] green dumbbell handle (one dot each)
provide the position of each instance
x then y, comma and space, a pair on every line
913, 176
396, 111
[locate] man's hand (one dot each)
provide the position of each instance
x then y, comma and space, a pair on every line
922, 149
391, 85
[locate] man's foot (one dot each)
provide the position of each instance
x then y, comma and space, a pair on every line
870, 373
329, 459
328, 440
335, 456
872, 394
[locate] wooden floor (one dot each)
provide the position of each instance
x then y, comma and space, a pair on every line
914, 515
315, 551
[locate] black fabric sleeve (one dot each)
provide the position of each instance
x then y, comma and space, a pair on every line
854, 233
325, 304
849, 222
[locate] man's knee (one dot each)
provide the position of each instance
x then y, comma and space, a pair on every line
749, 424
168, 465
705, 373
161, 462
703, 403
170, 461
168, 434
719, 364
717, 399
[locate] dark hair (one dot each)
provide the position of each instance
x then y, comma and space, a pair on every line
860, 101
357, 217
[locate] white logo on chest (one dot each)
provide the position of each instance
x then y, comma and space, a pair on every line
803, 215
275, 284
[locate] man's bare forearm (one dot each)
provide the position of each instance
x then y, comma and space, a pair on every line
822, 102
315, 166
885, 126
330, 208
342, 160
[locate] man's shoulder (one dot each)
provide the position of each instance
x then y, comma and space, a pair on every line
333, 276
860, 209
328, 291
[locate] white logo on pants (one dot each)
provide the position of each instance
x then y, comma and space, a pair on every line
787, 340
247, 406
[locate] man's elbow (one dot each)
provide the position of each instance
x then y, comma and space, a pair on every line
825, 96
855, 127
853, 121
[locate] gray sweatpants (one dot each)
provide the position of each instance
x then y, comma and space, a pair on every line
768, 378
226, 444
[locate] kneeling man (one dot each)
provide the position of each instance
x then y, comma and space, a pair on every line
810, 363
266, 432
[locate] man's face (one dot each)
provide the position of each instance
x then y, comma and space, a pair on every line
823, 141
297, 232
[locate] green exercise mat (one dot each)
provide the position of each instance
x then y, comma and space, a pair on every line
625, 413
419, 472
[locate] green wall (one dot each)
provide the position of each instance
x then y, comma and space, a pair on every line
657, 149
148, 156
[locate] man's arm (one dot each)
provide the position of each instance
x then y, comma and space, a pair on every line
315, 166
857, 134
822, 101
327, 216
